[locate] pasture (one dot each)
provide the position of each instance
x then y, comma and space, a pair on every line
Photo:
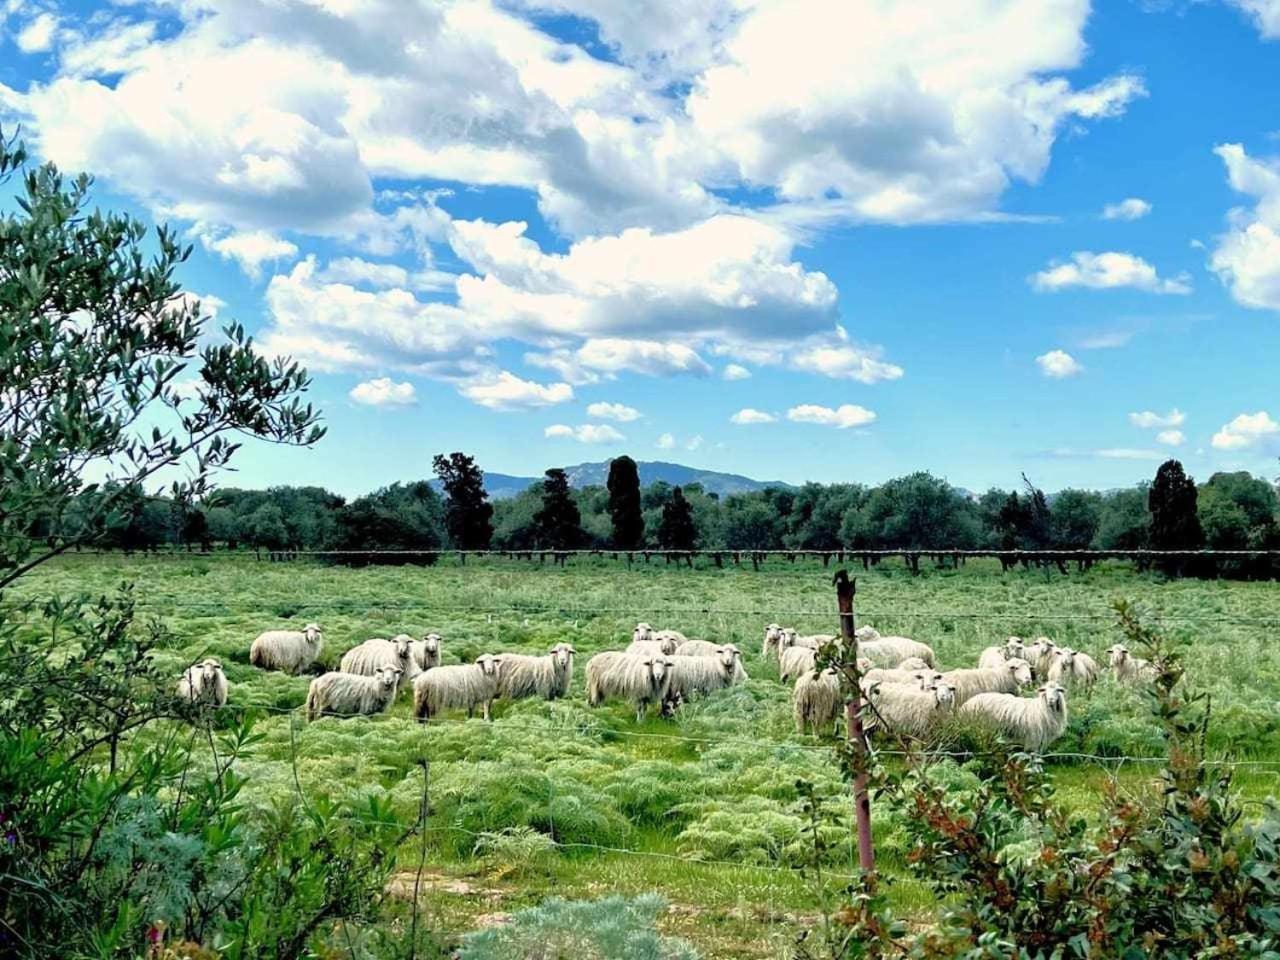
558, 798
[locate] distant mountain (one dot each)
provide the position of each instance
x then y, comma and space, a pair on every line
503, 485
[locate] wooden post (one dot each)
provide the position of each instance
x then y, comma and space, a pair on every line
845, 590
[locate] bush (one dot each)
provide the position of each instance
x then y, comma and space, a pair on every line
615, 928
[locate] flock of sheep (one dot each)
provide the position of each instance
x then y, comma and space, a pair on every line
907, 695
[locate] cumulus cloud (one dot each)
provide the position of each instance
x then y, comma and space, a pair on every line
1247, 257
1265, 15
1106, 271
1171, 438
380, 276
37, 36
1149, 419
1246, 430
749, 415
613, 411
586, 433
1104, 453
735, 371
665, 442
1131, 208
844, 416
384, 392
251, 250
694, 443
505, 391
845, 361
1058, 365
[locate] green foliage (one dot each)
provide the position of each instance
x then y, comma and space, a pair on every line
616, 928
1174, 522
558, 521
624, 503
468, 512
403, 516
913, 511
677, 530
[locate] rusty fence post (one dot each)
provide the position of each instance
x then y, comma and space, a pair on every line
845, 590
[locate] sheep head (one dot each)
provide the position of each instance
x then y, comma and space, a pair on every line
642, 632
1014, 647
1020, 669
210, 667
787, 638
402, 643
312, 632
389, 677
1118, 654
431, 643
944, 694
488, 664
563, 654
1055, 697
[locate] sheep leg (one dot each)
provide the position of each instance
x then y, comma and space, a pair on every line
487, 705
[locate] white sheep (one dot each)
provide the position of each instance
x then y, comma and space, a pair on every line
1062, 666
906, 710
462, 686
651, 648
1034, 723
1126, 668
795, 661
1008, 678
698, 648
292, 651
424, 653
547, 676
911, 663
1040, 654
1085, 671
891, 651
1014, 647
867, 634
204, 682
992, 657
919, 678
642, 632
772, 634
352, 694
816, 701
790, 638
367, 658
690, 677
673, 637
640, 679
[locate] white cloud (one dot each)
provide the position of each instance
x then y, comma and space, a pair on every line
844, 416
1247, 257
1105, 271
749, 415
1264, 13
1058, 364
1149, 419
1246, 430
1131, 208
354, 270
586, 433
613, 411
1105, 453
735, 371
613, 355
1171, 438
252, 249
505, 391
37, 36
665, 442
695, 442
845, 361
384, 392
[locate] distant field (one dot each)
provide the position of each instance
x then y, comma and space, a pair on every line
632, 807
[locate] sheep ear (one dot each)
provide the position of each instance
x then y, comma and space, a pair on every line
648, 661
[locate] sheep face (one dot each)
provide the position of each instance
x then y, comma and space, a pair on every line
431, 643
402, 648
1014, 647
728, 654
388, 677
772, 633
488, 664
1055, 697
210, 668
926, 678
1118, 654
563, 655
1067, 657
787, 639
944, 694
1021, 671
659, 667
871, 690
312, 632
642, 632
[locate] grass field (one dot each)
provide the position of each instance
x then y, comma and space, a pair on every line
703, 809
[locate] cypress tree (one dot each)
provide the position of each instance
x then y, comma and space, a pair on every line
1175, 523
624, 503
558, 522
468, 514
677, 530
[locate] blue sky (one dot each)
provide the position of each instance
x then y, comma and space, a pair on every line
803, 240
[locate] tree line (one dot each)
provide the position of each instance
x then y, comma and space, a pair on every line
1230, 511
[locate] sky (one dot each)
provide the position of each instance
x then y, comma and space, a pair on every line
799, 240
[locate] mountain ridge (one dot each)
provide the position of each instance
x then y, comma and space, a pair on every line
501, 486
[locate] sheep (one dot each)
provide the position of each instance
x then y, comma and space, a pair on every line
891, 651
674, 637
992, 657
424, 653
792, 639
292, 651
458, 686
642, 632
698, 648
911, 663
795, 661
352, 694
866, 634
772, 635
1034, 723
1062, 666
1014, 647
547, 676
367, 658
906, 710
1040, 655
919, 678
204, 682
1008, 678
1085, 672
816, 701
651, 648
691, 677
642, 680
1126, 668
